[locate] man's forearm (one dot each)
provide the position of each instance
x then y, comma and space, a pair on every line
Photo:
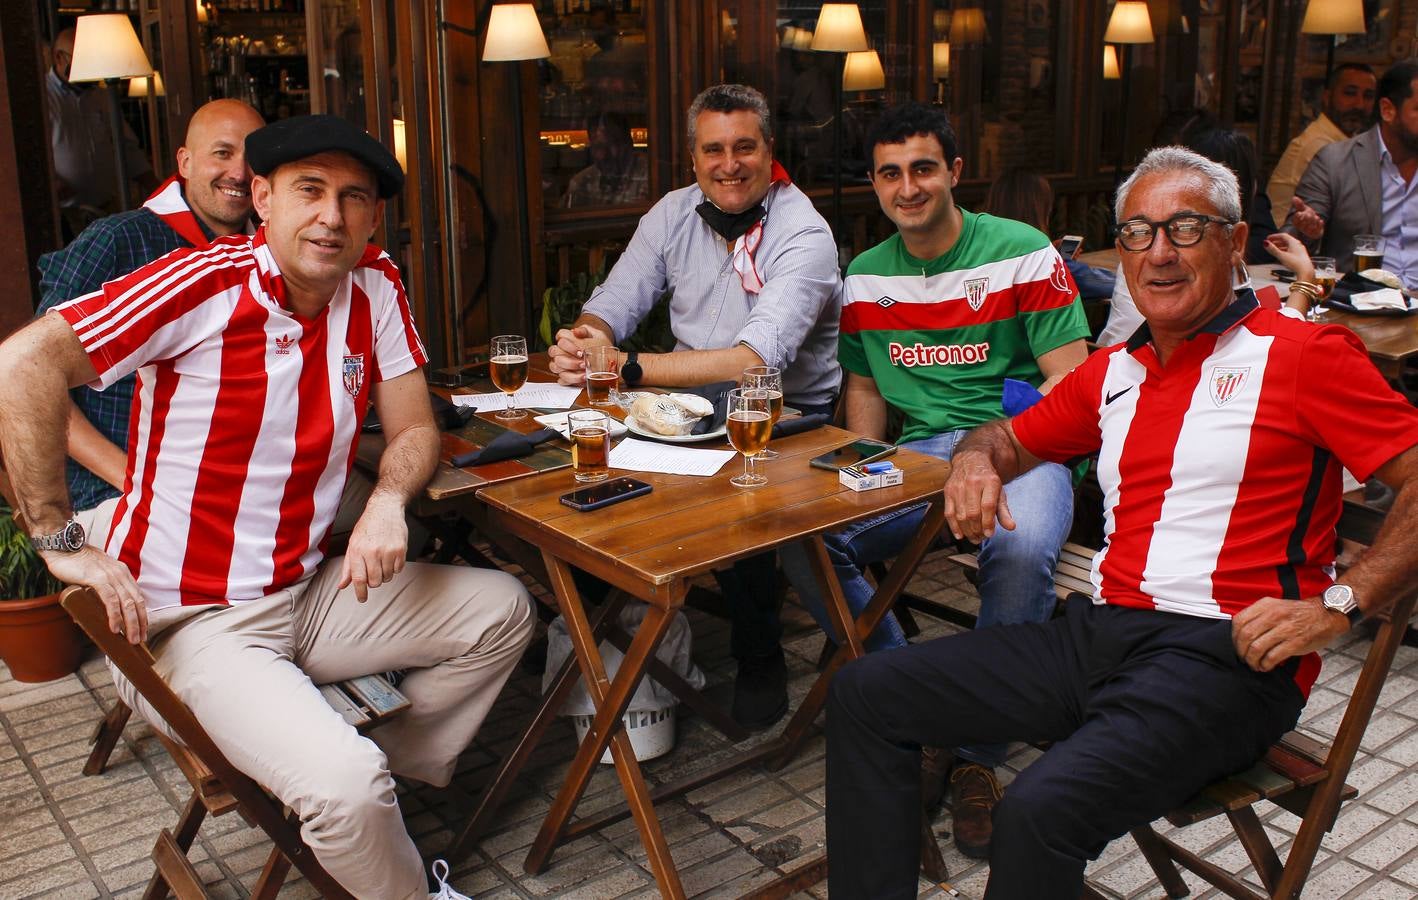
93, 451
687, 368
994, 441
408, 462
1387, 569
866, 413
33, 413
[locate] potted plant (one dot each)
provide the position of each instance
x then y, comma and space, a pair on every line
38, 640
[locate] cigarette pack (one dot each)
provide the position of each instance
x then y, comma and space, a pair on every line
858, 480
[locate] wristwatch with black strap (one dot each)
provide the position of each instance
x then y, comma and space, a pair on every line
1340, 598
69, 539
630, 370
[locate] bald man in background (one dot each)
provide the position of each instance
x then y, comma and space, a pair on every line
208, 198
82, 144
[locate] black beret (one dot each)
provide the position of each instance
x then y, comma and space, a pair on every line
301, 136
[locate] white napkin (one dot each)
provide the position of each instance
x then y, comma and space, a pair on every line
1384, 298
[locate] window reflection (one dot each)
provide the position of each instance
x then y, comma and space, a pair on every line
594, 109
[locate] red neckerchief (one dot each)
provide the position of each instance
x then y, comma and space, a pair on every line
169, 204
748, 244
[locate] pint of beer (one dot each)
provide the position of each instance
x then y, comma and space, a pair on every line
1368, 252
590, 444
602, 374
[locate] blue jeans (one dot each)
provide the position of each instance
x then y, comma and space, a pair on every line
1016, 581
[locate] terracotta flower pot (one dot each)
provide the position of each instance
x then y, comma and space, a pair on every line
38, 640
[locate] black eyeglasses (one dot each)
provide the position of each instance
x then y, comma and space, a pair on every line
1183, 230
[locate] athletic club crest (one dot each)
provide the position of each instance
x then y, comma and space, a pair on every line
1227, 382
975, 291
354, 374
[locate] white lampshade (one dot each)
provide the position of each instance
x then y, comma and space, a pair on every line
1111, 72
940, 59
1334, 17
513, 33
1129, 24
967, 26
401, 146
106, 46
138, 87
863, 72
839, 29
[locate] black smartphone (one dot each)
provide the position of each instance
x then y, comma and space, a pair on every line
851, 454
1069, 245
1282, 274
605, 493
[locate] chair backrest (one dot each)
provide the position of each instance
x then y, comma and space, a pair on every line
136, 663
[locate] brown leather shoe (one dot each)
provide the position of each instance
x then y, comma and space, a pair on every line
973, 795
935, 773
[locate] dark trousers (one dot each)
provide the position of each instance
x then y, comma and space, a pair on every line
1144, 709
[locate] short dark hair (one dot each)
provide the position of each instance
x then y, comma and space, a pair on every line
1230, 148
1340, 69
1023, 195
1397, 84
908, 120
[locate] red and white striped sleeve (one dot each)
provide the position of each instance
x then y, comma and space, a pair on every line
397, 347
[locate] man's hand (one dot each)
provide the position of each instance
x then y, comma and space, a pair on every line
974, 497
111, 580
1272, 630
378, 546
567, 355
1306, 220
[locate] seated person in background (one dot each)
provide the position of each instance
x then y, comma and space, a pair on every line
753, 267
1366, 184
208, 198
1346, 106
934, 319
1212, 593
617, 175
257, 359
1026, 196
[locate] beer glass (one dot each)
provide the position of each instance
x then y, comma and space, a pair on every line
602, 374
769, 379
1326, 274
1368, 252
590, 444
749, 425
508, 367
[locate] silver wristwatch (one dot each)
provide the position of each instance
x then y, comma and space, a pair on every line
1340, 598
69, 539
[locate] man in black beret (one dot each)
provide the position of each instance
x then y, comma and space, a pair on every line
257, 359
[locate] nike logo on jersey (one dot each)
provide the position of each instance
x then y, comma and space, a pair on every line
1108, 401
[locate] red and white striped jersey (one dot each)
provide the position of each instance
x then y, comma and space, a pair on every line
1221, 471
245, 416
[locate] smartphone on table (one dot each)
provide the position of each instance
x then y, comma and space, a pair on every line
852, 454
596, 496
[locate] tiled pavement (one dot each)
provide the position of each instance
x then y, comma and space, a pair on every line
66, 835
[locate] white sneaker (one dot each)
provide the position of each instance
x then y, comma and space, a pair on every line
445, 890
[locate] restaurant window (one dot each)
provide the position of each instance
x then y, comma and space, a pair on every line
594, 138
994, 67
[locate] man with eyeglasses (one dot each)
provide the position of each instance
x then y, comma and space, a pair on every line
1214, 590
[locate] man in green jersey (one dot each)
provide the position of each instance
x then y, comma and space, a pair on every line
934, 319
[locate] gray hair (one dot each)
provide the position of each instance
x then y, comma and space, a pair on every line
727, 98
1222, 188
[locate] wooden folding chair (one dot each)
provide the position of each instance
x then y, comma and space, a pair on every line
217, 786
1298, 774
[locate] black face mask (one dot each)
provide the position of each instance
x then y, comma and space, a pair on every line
729, 226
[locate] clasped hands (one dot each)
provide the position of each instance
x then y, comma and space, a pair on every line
567, 355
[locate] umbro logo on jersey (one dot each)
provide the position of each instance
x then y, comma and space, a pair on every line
1226, 382
884, 302
353, 371
1108, 401
283, 345
976, 289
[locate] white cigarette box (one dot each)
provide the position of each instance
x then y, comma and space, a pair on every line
865, 482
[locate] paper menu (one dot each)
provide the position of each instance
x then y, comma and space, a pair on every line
544, 394
650, 456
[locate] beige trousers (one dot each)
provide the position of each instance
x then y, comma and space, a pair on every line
248, 672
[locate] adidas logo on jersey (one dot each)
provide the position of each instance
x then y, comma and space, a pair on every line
283, 345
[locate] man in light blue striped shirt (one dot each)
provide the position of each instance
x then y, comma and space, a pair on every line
753, 267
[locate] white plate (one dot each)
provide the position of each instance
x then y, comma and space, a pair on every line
557, 420
634, 426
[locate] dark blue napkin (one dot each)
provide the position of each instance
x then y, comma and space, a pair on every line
508, 445
799, 424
